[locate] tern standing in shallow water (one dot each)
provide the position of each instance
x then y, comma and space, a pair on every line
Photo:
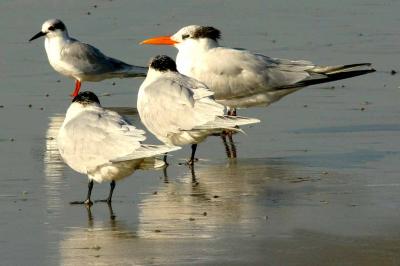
180, 110
101, 144
243, 79
81, 61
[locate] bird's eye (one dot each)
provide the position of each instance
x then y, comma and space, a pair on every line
51, 28
184, 36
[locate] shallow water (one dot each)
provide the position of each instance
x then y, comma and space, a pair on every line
317, 182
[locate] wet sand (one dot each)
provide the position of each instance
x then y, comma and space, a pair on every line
316, 183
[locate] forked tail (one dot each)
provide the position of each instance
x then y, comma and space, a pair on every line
323, 74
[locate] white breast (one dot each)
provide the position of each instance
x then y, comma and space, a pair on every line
53, 48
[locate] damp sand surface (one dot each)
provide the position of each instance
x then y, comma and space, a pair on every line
316, 183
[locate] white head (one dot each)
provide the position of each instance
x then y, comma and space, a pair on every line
196, 32
52, 28
188, 35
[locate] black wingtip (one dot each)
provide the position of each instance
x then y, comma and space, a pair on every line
328, 78
336, 76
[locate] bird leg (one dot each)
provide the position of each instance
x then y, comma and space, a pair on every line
87, 201
108, 199
165, 159
232, 144
111, 211
77, 88
227, 149
231, 111
89, 216
192, 159
194, 181
233, 154
165, 175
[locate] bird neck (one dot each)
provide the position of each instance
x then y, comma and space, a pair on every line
76, 109
191, 52
201, 45
151, 76
54, 46
57, 40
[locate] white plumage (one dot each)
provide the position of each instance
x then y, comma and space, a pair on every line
102, 144
240, 78
81, 61
180, 110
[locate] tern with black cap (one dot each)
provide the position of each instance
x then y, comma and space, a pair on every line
180, 110
240, 78
103, 145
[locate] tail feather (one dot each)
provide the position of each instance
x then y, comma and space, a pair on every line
229, 122
333, 69
130, 71
146, 151
135, 71
323, 74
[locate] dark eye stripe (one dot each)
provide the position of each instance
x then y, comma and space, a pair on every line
207, 32
185, 36
57, 26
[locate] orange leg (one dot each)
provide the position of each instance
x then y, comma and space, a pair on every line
77, 88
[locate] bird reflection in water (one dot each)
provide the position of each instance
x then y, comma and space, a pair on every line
208, 202
106, 242
53, 165
206, 199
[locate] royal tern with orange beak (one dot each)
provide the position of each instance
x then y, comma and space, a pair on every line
180, 110
81, 61
103, 145
240, 78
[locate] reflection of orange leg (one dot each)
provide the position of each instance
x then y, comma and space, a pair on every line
227, 149
233, 146
77, 88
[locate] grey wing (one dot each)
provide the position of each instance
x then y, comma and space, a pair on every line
248, 73
90, 60
177, 103
98, 136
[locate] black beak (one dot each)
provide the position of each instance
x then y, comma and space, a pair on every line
39, 34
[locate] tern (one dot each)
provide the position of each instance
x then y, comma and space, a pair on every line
240, 78
180, 110
103, 145
81, 61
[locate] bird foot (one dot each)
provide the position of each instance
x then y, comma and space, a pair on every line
86, 202
191, 162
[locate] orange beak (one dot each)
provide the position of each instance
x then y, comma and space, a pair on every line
162, 40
